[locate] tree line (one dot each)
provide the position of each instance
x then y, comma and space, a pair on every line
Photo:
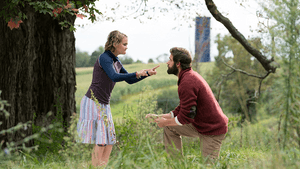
83, 59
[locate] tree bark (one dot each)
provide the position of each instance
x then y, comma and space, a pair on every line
37, 71
266, 63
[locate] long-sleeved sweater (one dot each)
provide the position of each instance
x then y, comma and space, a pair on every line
198, 105
107, 71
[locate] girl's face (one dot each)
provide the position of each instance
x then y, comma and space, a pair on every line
121, 47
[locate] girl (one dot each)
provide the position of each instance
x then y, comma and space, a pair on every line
95, 125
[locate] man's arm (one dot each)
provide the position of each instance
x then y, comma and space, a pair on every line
155, 116
162, 122
188, 102
164, 119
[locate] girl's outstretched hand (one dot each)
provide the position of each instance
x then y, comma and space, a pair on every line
142, 73
153, 70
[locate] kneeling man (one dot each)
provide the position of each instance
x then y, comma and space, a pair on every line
197, 115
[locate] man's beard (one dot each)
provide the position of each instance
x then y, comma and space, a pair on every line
173, 70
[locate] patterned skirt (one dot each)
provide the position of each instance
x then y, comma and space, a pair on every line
95, 125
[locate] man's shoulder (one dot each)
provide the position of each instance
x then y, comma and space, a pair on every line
191, 76
192, 80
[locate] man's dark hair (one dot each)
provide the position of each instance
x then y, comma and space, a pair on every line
181, 55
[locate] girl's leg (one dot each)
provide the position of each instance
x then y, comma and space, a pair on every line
100, 156
97, 155
106, 154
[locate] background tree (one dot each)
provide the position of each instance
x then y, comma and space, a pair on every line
162, 58
95, 55
150, 60
283, 31
126, 59
236, 92
138, 61
82, 58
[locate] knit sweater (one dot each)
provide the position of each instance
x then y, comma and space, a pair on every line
198, 105
107, 71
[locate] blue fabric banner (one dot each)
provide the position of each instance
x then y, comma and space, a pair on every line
202, 39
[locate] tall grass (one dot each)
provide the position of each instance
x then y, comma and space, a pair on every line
140, 145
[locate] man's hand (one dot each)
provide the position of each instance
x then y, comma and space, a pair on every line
161, 122
152, 117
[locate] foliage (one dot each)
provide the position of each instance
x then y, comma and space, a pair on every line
126, 60
284, 32
51, 141
82, 59
163, 58
145, 105
140, 145
56, 9
138, 61
167, 100
150, 60
95, 55
237, 92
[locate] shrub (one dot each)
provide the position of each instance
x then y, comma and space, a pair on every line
168, 100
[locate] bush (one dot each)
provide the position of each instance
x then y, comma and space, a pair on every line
168, 100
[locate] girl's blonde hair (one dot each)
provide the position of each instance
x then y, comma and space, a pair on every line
114, 37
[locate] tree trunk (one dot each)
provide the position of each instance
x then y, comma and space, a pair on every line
37, 71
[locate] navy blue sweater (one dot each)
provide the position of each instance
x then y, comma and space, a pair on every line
107, 71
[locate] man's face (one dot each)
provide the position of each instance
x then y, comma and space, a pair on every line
172, 68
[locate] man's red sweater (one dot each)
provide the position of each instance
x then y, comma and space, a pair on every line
193, 91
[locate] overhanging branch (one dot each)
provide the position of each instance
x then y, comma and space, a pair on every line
265, 62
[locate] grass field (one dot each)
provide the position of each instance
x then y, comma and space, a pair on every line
125, 94
140, 143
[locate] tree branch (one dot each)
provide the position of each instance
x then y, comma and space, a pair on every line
244, 72
219, 84
249, 74
266, 63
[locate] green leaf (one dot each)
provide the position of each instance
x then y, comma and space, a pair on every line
24, 16
72, 28
78, 3
20, 14
43, 11
296, 119
15, 1
49, 6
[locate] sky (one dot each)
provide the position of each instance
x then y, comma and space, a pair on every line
156, 36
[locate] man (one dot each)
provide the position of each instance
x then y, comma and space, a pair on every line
197, 115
